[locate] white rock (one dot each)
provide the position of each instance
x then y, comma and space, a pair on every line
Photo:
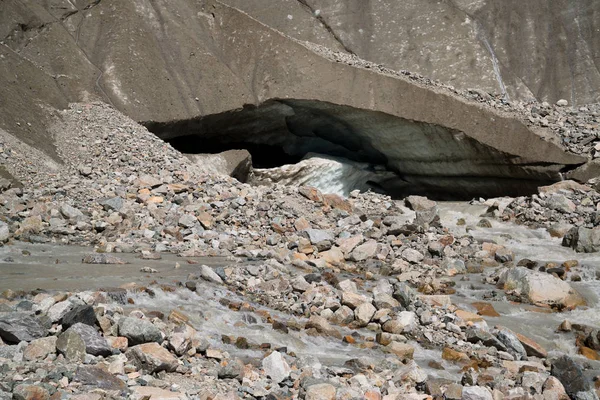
208, 274
476, 393
276, 367
364, 313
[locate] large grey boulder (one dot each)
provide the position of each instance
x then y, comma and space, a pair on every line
571, 375
138, 331
95, 343
583, 240
17, 327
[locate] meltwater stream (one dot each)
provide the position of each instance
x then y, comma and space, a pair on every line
536, 245
53, 267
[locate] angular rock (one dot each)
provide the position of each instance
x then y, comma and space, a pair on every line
570, 374
353, 300
583, 240
364, 312
476, 393
412, 256
317, 235
364, 251
540, 288
40, 348
320, 391
475, 335
384, 300
560, 202
209, 274
98, 378
17, 327
322, 326
343, 315
276, 367
112, 204
554, 390
152, 358
419, 203
512, 343
138, 331
95, 344
30, 392
402, 350
348, 244
70, 212
71, 345
79, 313
57, 311
4, 232
180, 340
154, 393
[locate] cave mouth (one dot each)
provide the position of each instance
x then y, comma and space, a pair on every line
263, 155
340, 148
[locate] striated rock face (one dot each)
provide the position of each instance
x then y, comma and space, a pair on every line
540, 49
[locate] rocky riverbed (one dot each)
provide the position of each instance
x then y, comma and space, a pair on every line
186, 285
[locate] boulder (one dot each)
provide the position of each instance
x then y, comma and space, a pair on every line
583, 240
209, 274
180, 340
102, 258
560, 202
138, 331
95, 344
512, 343
353, 300
364, 251
540, 288
234, 163
79, 313
30, 392
71, 345
40, 348
276, 367
154, 393
475, 335
570, 374
317, 235
419, 203
476, 393
17, 327
96, 377
320, 391
4, 231
152, 358
364, 312
322, 326
554, 390
385, 300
